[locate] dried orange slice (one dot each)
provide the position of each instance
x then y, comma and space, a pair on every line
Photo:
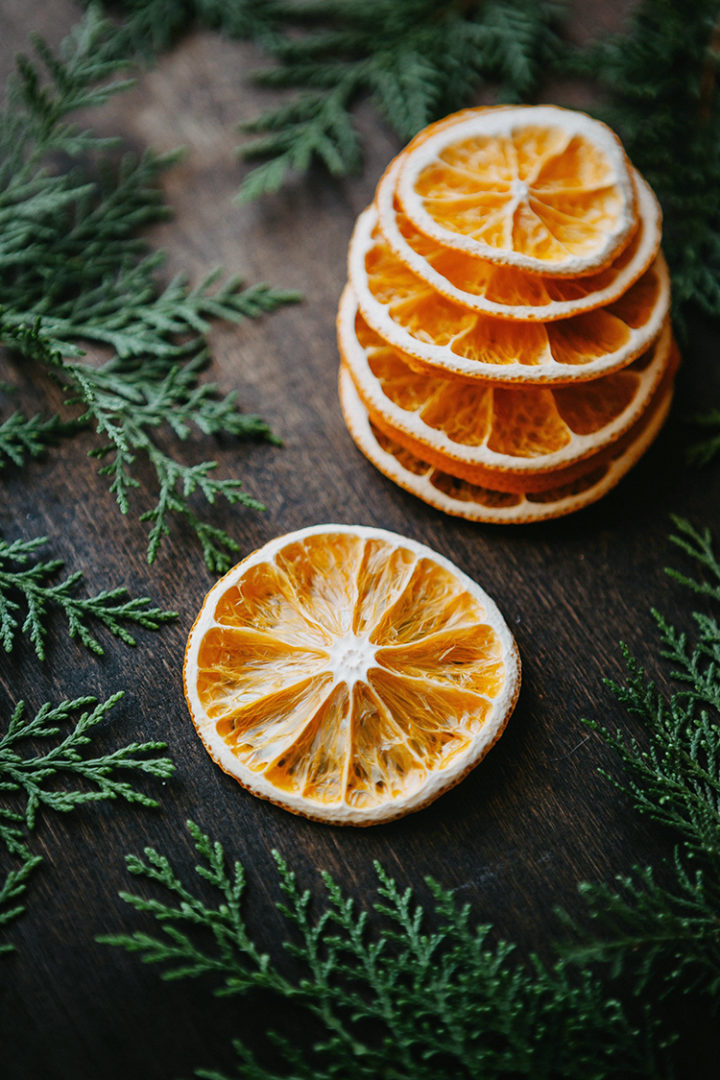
349, 674
476, 503
511, 438
442, 336
541, 188
506, 292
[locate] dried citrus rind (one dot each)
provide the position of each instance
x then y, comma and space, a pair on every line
349, 674
475, 503
443, 336
511, 438
507, 292
544, 189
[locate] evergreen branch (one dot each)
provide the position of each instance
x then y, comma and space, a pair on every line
640, 923
12, 891
36, 776
415, 60
112, 608
62, 778
666, 63
22, 437
665, 928
699, 546
73, 270
705, 450
125, 402
390, 999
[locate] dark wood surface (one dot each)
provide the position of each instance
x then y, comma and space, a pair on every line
523, 829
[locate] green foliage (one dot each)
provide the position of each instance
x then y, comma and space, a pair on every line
415, 60
412, 992
663, 925
72, 270
705, 450
661, 75
61, 778
12, 889
394, 999
31, 584
23, 437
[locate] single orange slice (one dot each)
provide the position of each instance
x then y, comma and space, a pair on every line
477, 503
509, 438
506, 292
541, 188
349, 674
443, 336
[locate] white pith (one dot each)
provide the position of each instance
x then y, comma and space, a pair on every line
525, 510
650, 225
349, 660
502, 122
443, 359
412, 423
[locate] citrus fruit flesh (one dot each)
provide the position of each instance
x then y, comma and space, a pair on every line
541, 188
349, 674
474, 502
441, 335
507, 292
513, 438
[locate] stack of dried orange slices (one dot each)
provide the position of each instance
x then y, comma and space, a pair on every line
506, 350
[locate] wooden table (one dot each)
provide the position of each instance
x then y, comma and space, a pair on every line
519, 833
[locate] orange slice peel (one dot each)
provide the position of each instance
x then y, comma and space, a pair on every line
541, 188
472, 502
349, 674
443, 336
506, 292
512, 438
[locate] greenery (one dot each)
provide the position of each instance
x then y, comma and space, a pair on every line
705, 449
32, 584
661, 77
391, 1000
72, 269
669, 930
415, 60
60, 779
423, 993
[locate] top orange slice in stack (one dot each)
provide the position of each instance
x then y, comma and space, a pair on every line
506, 277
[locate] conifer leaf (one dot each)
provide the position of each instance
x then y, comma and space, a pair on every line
73, 270
388, 996
36, 779
28, 594
660, 925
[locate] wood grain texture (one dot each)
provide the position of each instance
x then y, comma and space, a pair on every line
514, 838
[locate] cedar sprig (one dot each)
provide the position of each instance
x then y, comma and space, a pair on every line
61, 778
660, 926
126, 402
73, 269
28, 594
23, 437
661, 77
414, 60
705, 449
12, 890
36, 775
384, 996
